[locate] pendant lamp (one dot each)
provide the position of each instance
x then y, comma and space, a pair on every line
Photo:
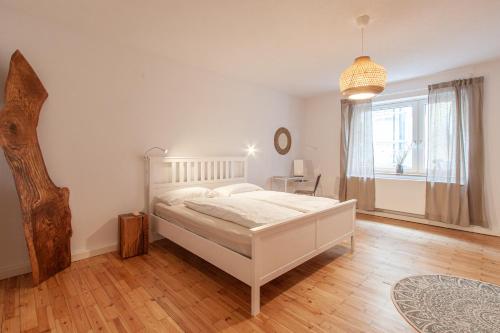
364, 78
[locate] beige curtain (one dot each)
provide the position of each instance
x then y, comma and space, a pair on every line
357, 172
455, 155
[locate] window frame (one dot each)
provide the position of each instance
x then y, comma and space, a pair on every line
419, 114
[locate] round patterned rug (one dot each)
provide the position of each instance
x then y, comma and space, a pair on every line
441, 303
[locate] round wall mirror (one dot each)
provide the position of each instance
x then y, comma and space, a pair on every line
282, 140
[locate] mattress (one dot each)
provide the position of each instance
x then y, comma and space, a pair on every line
227, 234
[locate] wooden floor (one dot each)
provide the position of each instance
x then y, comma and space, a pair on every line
172, 290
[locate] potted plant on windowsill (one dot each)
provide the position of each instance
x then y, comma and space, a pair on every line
400, 159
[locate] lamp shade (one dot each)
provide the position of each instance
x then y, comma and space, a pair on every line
298, 168
363, 79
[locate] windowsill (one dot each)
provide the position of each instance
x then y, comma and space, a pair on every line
395, 176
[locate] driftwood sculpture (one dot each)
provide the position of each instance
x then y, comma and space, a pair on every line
44, 206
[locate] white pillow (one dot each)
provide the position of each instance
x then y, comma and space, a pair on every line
226, 191
177, 197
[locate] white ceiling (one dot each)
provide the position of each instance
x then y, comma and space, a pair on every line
296, 46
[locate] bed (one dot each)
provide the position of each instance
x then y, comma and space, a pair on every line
253, 255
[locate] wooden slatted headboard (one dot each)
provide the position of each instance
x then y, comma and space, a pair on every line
167, 173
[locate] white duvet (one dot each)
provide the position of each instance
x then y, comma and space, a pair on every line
246, 212
301, 203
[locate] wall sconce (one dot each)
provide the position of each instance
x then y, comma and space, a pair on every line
163, 150
251, 150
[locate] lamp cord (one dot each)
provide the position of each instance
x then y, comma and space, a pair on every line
362, 42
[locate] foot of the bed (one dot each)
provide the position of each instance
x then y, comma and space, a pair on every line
255, 301
352, 244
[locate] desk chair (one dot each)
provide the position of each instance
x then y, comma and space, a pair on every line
310, 192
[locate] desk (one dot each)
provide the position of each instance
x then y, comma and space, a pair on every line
286, 179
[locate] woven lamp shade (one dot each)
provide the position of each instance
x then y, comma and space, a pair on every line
363, 79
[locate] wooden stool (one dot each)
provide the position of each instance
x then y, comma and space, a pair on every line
134, 234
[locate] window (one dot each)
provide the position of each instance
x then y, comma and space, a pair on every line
399, 131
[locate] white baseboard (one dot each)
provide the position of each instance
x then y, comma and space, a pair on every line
409, 218
13, 270
84, 254
23, 268
154, 237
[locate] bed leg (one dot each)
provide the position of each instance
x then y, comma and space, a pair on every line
255, 300
352, 243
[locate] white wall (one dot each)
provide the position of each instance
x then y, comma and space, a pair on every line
321, 139
107, 104
321, 128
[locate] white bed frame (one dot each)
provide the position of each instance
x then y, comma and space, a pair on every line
276, 248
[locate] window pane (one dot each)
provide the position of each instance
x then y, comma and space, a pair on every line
393, 136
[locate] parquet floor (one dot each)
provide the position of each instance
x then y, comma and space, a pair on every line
171, 290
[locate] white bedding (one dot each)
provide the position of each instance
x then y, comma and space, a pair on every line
301, 203
224, 233
244, 211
